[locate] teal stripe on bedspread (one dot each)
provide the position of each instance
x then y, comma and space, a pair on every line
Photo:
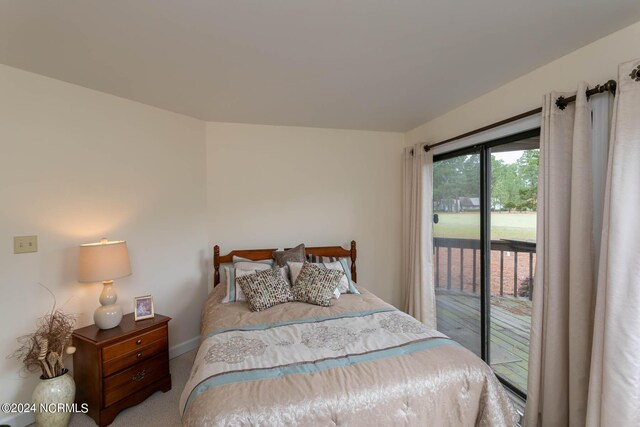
299, 321
314, 366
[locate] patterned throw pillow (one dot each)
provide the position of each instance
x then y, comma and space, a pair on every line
316, 285
240, 263
296, 267
294, 254
265, 289
347, 286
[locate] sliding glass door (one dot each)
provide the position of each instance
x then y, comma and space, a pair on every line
514, 186
484, 250
456, 238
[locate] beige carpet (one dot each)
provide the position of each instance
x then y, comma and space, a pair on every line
160, 409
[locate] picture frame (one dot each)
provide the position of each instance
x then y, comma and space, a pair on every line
143, 307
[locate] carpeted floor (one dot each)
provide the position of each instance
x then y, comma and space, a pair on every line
160, 409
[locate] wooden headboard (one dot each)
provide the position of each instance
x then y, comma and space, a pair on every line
257, 254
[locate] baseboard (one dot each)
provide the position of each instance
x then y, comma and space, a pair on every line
18, 420
183, 347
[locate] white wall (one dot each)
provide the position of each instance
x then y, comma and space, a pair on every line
77, 165
594, 63
279, 186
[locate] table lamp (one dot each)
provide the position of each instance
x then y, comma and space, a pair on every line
104, 262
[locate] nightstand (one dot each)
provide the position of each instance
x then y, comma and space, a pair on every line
120, 367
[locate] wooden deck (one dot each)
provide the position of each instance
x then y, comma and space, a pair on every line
458, 316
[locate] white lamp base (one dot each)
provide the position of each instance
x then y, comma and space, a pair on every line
107, 317
109, 314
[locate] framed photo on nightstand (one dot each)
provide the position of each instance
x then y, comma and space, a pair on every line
143, 307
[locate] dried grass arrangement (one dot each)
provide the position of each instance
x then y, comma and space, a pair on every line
44, 350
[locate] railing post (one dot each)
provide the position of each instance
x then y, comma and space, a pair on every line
515, 274
530, 275
437, 266
461, 269
474, 270
501, 272
449, 267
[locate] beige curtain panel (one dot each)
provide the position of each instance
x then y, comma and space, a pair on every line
564, 283
417, 237
614, 389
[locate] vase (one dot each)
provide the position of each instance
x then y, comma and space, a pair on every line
50, 393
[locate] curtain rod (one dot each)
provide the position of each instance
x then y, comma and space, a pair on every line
609, 86
561, 103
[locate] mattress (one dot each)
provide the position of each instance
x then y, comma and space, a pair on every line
360, 362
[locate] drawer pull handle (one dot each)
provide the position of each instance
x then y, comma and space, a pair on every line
139, 376
139, 355
138, 342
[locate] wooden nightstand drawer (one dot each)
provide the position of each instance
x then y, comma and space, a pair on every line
131, 358
113, 351
127, 382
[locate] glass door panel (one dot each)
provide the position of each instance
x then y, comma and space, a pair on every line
456, 258
513, 190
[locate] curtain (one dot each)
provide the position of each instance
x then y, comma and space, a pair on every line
564, 281
614, 389
601, 106
417, 238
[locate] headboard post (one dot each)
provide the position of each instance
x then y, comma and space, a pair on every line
354, 254
216, 265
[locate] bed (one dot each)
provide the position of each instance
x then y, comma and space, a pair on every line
360, 362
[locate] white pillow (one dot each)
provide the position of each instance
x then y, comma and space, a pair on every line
237, 259
294, 270
234, 291
247, 264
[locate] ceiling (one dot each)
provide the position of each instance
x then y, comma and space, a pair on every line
385, 65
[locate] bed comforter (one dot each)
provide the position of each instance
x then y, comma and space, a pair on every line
360, 362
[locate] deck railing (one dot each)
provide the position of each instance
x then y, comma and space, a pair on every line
444, 246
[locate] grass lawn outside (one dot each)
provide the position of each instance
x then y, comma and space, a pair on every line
504, 225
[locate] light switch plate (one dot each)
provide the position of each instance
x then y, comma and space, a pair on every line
25, 244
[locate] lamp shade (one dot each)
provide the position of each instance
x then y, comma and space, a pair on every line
103, 261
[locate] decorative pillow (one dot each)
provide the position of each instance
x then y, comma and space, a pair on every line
247, 264
296, 254
265, 289
316, 285
234, 291
241, 267
347, 286
294, 271
320, 259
